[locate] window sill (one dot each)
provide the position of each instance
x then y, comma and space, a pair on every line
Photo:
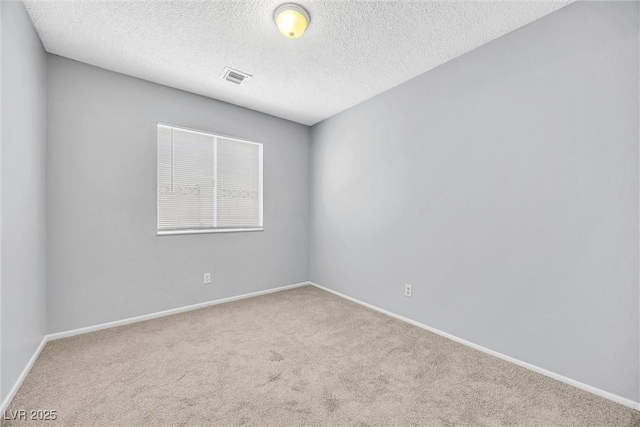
209, 231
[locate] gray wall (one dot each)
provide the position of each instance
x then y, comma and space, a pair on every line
105, 262
22, 215
503, 186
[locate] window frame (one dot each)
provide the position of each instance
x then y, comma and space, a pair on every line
216, 135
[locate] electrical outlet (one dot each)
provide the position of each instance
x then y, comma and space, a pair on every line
408, 291
207, 278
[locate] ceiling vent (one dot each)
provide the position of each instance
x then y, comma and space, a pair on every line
235, 76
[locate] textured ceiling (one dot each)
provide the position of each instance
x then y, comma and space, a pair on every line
350, 52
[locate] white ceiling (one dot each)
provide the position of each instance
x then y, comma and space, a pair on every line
351, 51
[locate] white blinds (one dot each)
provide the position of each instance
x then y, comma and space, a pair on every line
238, 192
207, 182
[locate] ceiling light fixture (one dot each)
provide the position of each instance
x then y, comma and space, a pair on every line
292, 20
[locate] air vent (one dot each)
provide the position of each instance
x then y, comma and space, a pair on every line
235, 76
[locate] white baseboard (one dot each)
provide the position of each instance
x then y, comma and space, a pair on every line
14, 390
51, 337
87, 329
582, 386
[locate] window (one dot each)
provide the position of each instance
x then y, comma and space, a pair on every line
207, 182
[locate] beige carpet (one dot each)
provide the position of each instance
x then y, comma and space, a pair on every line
299, 357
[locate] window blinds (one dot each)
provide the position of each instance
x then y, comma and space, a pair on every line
207, 182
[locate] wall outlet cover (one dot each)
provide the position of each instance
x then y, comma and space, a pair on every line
408, 291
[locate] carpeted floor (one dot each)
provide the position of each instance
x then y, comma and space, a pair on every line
298, 357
